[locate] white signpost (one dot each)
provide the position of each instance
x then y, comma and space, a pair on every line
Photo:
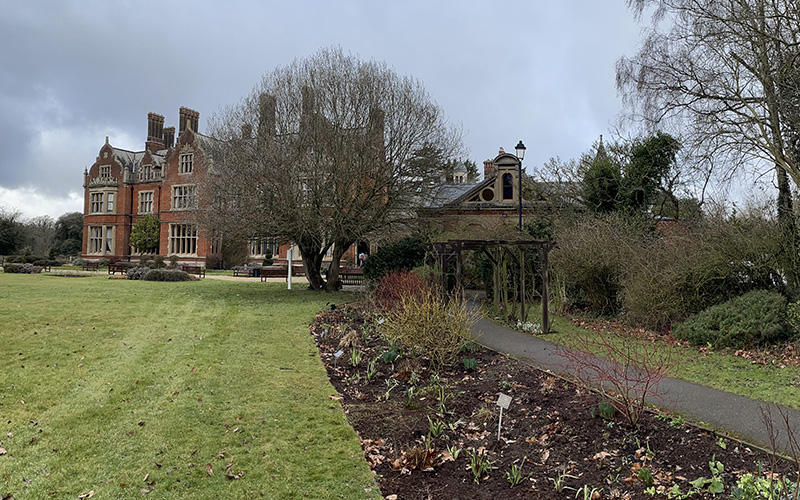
289, 275
503, 401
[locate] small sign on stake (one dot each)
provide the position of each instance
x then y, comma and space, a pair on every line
503, 401
336, 356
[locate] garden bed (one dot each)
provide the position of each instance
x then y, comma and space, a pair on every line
425, 433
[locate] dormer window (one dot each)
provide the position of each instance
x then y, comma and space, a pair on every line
105, 172
146, 173
186, 163
508, 187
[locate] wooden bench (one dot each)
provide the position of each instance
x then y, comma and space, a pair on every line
244, 271
273, 272
198, 271
351, 276
90, 266
115, 268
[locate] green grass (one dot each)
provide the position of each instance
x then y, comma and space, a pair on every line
726, 372
106, 382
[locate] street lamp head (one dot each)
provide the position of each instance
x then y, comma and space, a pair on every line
520, 150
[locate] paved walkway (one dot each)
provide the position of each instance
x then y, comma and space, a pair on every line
737, 415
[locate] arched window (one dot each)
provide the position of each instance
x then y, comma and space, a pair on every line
508, 187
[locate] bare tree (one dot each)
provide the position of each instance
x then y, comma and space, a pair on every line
330, 159
721, 74
41, 232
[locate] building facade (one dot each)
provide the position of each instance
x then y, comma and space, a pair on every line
165, 180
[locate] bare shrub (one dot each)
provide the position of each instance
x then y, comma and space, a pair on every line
436, 325
626, 371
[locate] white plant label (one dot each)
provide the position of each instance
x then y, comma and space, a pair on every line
338, 354
503, 401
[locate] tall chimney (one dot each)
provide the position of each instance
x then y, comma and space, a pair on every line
267, 106
188, 118
489, 169
169, 137
155, 131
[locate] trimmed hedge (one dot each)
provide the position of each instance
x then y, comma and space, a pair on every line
13, 268
753, 319
167, 275
137, 273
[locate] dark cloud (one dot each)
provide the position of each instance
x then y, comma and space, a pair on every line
76, 71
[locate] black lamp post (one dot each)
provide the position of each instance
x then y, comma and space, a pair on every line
520, 148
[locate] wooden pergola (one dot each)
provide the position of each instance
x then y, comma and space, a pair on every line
445, 252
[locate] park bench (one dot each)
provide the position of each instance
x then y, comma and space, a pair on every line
351, 276
198, 271
115, 267
90, 265
245, 271
273, 272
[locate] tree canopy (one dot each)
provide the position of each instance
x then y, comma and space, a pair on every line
334, 156
145, 234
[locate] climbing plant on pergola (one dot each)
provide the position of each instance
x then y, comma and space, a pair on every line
495, 251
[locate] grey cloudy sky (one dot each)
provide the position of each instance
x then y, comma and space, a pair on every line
74, 72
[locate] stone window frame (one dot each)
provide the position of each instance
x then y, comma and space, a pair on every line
182, 239
186, 163
101, 240
143, 203
184, 197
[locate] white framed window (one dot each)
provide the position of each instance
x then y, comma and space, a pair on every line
186, 165
105, 172
146, 202
110, 202
183, 239
146, 173
184, 197
96, 203
259, 247
101, 240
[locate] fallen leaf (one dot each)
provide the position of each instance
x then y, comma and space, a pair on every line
87, 495
3, 451
209, 470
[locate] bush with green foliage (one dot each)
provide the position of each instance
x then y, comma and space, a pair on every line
167, 275
158, 262
103, 262
137, 273
404, 254
753, 319
173, 261
145, 234
14, 268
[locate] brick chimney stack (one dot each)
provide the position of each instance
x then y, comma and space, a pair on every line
489, 169
188, 118
155, 131
169, 137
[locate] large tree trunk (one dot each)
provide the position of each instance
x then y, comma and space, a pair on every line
312, 262
334, 283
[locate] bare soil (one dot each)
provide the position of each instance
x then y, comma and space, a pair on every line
552, 429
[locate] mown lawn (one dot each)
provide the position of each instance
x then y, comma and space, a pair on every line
123, 388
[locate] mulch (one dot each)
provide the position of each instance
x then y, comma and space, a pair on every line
553, 429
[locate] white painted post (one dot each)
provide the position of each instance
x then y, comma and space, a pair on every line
289, 272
